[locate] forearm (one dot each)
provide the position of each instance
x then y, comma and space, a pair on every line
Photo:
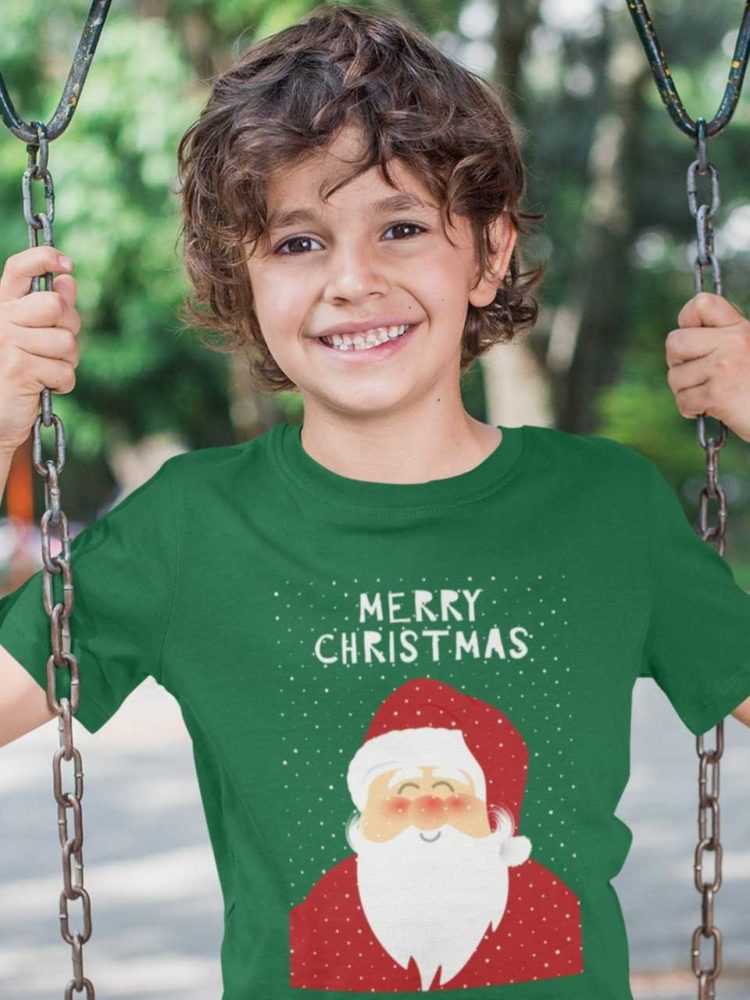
742, 712
5, 459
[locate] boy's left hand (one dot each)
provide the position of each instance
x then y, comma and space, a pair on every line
709, 362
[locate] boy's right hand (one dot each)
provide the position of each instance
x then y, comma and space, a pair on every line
38, 340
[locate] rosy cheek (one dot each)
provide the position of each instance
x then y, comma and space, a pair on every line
395, 807
459, 804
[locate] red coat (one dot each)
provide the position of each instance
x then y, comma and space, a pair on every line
333, 948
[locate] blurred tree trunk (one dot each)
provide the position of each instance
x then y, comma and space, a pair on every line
515, 383
515, 19
588, 333
209, 53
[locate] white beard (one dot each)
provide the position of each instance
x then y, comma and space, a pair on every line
432, 901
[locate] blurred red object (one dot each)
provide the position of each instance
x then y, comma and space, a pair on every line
19, 500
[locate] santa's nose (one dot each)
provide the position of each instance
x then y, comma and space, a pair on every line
428, 812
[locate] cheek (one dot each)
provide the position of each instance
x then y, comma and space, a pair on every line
394, 808
446, 278
281, 315
461, 805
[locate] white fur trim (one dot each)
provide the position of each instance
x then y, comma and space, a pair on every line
423, 747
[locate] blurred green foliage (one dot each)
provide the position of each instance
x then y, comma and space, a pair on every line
115, 166
113, 170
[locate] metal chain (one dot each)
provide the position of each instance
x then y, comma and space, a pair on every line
54, 518
665, 81
37, 137
71, 94
709, 760
700, 130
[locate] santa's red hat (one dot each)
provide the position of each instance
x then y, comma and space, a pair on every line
426, 722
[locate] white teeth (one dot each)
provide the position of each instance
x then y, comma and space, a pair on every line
363, 341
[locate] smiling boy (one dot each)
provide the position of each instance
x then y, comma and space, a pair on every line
387, 823
353, 270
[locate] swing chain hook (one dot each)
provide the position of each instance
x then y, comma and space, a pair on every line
54, 517
709, 760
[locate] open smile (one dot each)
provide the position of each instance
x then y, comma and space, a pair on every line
356, 355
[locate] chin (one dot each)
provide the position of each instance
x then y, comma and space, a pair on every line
360, 402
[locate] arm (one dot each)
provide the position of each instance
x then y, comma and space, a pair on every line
708, 361
6, 457
23, 704
742, 712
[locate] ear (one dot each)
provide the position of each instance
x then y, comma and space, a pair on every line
504, 237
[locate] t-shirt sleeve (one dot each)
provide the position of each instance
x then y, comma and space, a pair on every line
123, 573
697, 645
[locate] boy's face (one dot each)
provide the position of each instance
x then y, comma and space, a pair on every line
350, 262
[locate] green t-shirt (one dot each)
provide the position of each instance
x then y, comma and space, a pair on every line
409, 703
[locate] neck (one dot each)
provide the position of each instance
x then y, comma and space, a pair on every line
398, 448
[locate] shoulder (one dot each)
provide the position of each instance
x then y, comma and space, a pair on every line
587, 454
218, 462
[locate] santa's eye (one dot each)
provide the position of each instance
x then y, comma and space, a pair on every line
444, 784
406, 786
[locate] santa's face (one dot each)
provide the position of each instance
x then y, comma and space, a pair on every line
427, 803
430, 876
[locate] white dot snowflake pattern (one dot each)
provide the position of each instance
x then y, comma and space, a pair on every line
331, 719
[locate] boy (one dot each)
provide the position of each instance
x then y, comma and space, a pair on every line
391, 629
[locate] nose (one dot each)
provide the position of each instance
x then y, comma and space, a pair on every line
354, 276
428, 812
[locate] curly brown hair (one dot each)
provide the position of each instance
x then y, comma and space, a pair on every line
287, 96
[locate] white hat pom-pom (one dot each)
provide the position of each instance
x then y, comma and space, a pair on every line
515, 850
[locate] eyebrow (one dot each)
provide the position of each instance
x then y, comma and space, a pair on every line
394, 203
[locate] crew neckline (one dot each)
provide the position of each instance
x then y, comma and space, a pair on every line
344, 491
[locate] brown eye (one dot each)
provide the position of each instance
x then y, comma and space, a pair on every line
293, 239
407, 225
300, 239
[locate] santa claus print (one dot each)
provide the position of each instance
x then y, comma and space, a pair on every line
440, 891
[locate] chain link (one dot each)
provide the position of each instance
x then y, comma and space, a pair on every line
53, 521
715, 534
